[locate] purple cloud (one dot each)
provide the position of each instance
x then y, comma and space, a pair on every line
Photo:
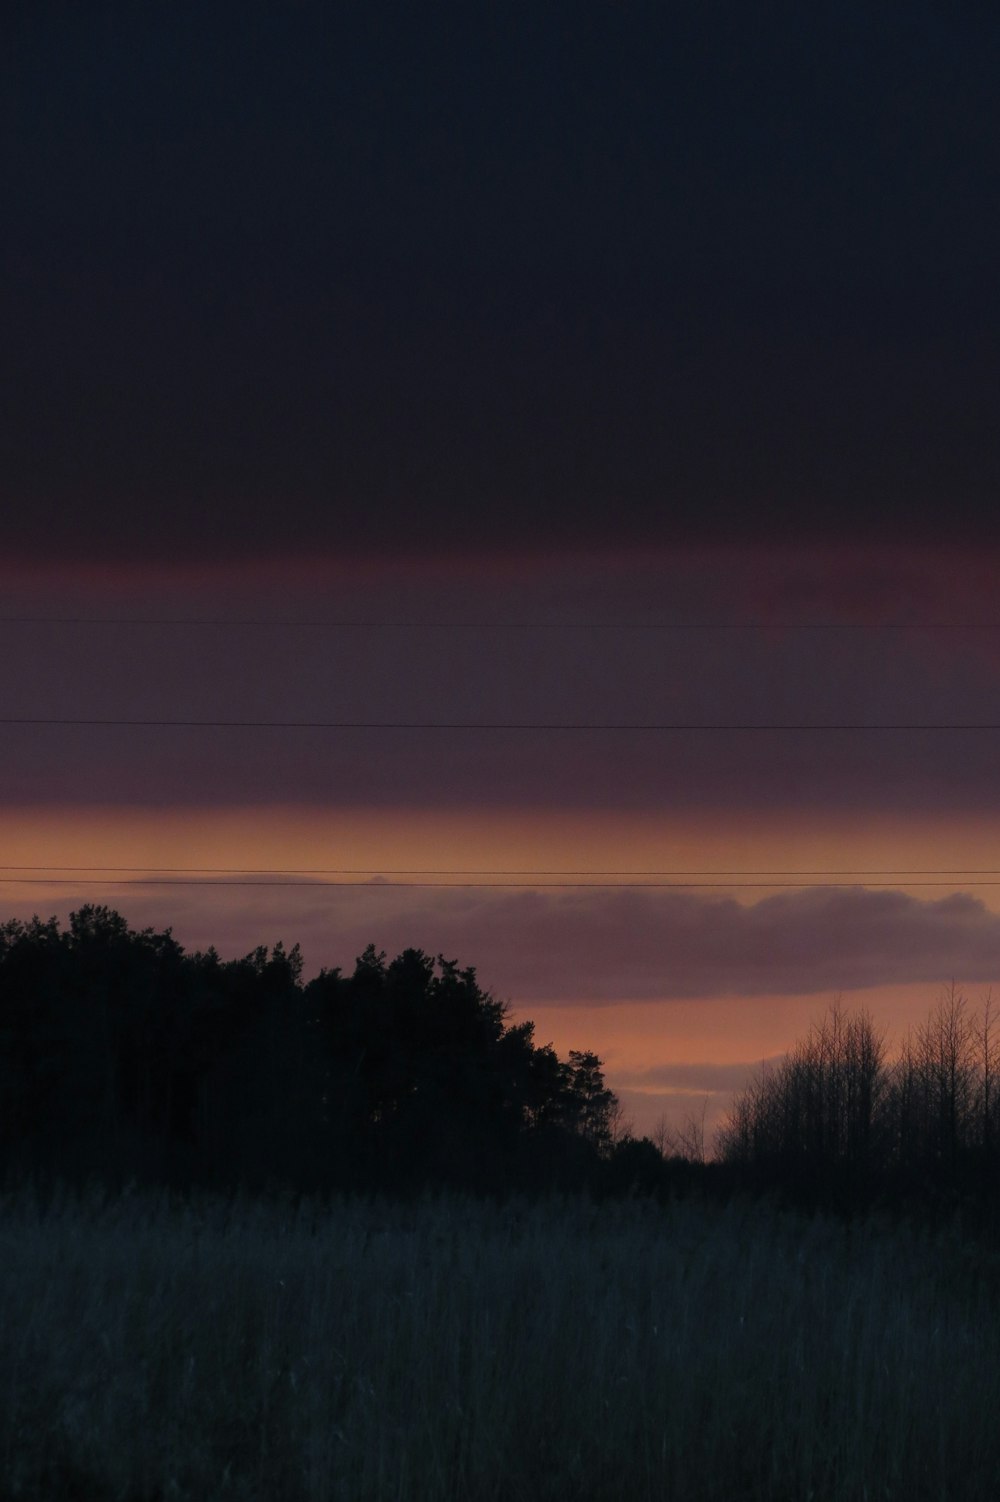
603, 945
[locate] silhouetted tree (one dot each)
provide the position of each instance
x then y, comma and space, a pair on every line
589, 1104
121, 1054
836, 1113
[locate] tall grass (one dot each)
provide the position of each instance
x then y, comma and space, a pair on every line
459, 1350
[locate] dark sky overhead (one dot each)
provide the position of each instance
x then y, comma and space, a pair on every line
512, 365
280, 279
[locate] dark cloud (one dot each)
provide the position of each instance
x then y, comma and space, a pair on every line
640, 945
530, 676
288, 278
607, 946
921, 775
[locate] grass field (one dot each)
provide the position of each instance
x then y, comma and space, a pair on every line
452, 1349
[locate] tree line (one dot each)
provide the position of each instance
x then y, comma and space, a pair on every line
838, 1118
123, 1056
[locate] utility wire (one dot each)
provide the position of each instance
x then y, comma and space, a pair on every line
378, 884
473, 725
369, 871
483, 625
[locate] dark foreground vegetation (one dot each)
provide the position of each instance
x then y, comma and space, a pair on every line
459, 1350
365, 1239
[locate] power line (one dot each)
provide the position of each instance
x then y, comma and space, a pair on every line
218, 622
378, 884
370, 871
576, 727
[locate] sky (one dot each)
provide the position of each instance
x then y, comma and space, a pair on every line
526, 366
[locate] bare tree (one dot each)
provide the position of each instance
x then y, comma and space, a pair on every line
986, 1063
692, 1136
661, 1137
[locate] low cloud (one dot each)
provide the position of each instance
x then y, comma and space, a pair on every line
691, 1078
602, 947
605, 945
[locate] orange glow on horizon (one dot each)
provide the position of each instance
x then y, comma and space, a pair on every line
630, 1036
384, 840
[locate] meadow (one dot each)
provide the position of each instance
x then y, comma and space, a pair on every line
156, 1348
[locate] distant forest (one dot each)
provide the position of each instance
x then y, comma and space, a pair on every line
124, 1058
